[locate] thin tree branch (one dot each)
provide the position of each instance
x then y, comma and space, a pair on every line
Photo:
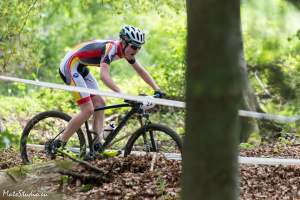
84, 163
85, 177
262, 85
153, 161
26, 17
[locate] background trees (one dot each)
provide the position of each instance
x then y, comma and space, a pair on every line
35, 35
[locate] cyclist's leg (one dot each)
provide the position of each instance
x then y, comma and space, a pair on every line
74, 124
98, 122
98, 101
74, 78
86, 111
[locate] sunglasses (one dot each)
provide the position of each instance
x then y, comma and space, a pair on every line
134, 47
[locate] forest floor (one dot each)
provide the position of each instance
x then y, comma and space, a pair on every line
133, 178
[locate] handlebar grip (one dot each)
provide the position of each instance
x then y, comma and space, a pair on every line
159, 94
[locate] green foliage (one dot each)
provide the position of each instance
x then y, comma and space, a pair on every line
17, 47
170, 62
161, 183
246, 146
272, 52
54, 27
7, 139
86, 187
20, 171
16, 111
65, 179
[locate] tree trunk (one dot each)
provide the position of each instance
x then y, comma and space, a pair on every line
248, 125
214, 95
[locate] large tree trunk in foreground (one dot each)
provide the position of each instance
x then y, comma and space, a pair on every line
214, 95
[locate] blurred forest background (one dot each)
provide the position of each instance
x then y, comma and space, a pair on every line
35, 35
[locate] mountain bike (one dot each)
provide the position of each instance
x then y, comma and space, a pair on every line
148, 137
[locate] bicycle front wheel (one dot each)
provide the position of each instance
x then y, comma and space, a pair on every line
154, 138
43, 128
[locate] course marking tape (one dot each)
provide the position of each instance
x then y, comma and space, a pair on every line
268, 161
144, 99
241, 159
242, 113
266, 116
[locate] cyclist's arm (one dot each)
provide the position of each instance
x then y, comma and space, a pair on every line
145, 75
105, 77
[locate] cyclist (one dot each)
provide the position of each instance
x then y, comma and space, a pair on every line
73, 70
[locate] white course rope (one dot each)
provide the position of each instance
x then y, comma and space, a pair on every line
279, 118
251, 160
165, 102
268, 161
98, 92
241, 160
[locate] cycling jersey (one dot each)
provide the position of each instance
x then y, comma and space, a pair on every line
73, 68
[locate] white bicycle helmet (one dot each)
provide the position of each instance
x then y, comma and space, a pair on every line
132, 35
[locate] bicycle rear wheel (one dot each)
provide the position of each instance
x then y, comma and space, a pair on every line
43, 128
154, 138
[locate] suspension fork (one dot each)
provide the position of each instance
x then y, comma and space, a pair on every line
146, 145
152, 146
152, 139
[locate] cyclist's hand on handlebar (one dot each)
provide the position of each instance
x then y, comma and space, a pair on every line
159, 94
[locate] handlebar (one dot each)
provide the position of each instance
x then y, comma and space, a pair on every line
137, 102
143, 105
131, 102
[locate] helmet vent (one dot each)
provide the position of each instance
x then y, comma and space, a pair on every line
132, 34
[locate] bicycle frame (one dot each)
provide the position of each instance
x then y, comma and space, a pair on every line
114, 133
